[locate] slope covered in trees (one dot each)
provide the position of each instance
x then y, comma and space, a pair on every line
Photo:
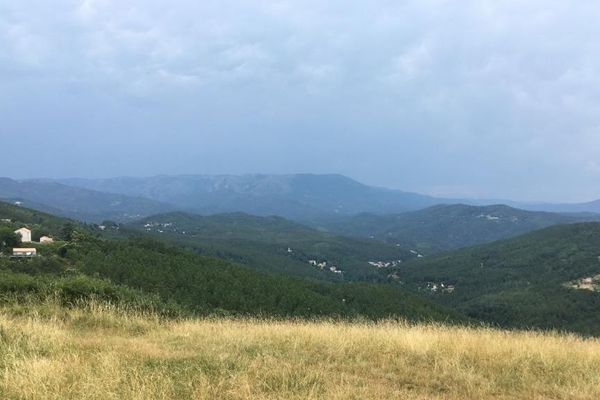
149, 273
528, 281
446, 227
274, 244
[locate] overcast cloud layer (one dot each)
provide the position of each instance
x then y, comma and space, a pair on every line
457, 98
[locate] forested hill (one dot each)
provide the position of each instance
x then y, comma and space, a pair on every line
446, 227
545, 279
149, 273
274, 244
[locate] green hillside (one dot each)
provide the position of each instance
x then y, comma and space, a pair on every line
274, 244
446, 227
149, 273
528, 281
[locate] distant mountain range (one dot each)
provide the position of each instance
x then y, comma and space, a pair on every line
79, 203
295, 196
589, 207
445, 227
300, 197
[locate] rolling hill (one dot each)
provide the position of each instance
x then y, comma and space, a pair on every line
446, 227
274, 244
143, 272
545, 279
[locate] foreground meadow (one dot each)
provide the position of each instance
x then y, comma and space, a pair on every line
99, 352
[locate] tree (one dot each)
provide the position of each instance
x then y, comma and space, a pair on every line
8, 238
66, 232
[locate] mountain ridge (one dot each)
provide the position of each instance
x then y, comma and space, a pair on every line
79, 203
314, 195
294, 196
449, 226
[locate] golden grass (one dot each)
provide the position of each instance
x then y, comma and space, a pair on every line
99, 352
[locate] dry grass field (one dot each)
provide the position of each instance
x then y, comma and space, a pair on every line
99, 352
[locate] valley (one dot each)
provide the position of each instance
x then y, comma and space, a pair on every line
277, 245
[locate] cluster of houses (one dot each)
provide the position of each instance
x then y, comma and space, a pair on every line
25, 235
440, 287
591, 283
385, 264
323, 266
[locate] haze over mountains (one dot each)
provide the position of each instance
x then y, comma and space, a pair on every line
329, 228
331, 203
301, 197
298, 197
78, 203
445, 227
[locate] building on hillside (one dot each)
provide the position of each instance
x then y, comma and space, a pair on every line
24, 252
25, 234
46, 239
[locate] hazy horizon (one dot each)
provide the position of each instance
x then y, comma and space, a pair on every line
477, 99
442, 197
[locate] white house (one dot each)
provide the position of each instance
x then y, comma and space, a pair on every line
46, 239
25, 234
24, 252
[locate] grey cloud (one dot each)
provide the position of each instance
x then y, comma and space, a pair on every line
481, 98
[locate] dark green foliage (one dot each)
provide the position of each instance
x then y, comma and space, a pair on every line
204, 284
8, 239
274, 244
521, 282
74, 289
148, 271
66, 231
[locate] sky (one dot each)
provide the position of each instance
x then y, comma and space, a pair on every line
487, 99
